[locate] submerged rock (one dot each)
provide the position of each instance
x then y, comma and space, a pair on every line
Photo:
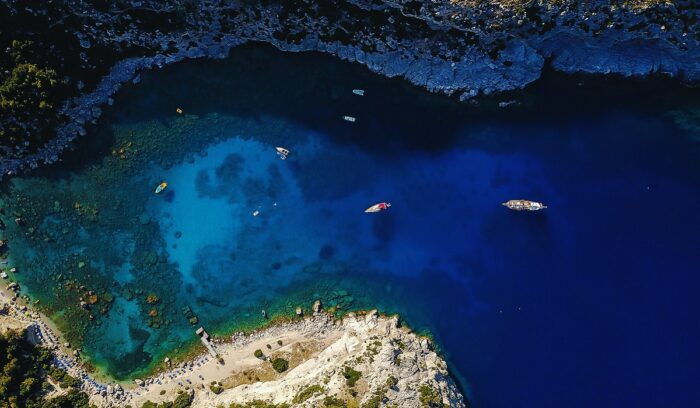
316, 306
326, 252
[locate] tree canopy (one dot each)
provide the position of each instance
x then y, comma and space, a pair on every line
23, 377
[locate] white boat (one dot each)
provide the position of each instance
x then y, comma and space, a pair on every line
524, 205
162, 186
349, 118
282, 152
360, 92
378, 207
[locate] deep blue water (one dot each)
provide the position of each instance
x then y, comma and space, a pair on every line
591, 302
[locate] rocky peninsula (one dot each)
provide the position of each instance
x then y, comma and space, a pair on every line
362, 359
461, 48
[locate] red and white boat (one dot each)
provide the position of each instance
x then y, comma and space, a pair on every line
378, 207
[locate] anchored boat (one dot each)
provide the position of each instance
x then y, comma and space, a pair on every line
360, 92
162, 186
524, 205
282, 152
378, 207
349, 118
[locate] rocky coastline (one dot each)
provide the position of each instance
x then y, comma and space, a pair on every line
362, 358
460, 48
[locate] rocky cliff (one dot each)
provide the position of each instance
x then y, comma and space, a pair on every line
457, 47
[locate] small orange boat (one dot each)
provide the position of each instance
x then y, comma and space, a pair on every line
378, 207
162, 186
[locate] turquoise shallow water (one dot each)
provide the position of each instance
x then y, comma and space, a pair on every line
588, 302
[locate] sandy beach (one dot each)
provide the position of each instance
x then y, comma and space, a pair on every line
315, 334
318, 349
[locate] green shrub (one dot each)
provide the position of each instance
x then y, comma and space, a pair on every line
183, 400
57, 374
429, 397
332, 402
258, 353
351, 376
73, 399
375, 401
306, 393
69, 382
28, 386
258, 404
216, 389
280, 365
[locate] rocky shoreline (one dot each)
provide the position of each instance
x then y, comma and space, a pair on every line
455, 48
389, 364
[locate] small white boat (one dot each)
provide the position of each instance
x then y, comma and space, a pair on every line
360, 92
349, 118
524, 205
378, 207
282, 152
162, 186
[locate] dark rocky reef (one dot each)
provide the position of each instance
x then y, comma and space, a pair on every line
466, 48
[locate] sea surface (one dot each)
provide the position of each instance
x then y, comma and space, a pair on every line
592, 302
